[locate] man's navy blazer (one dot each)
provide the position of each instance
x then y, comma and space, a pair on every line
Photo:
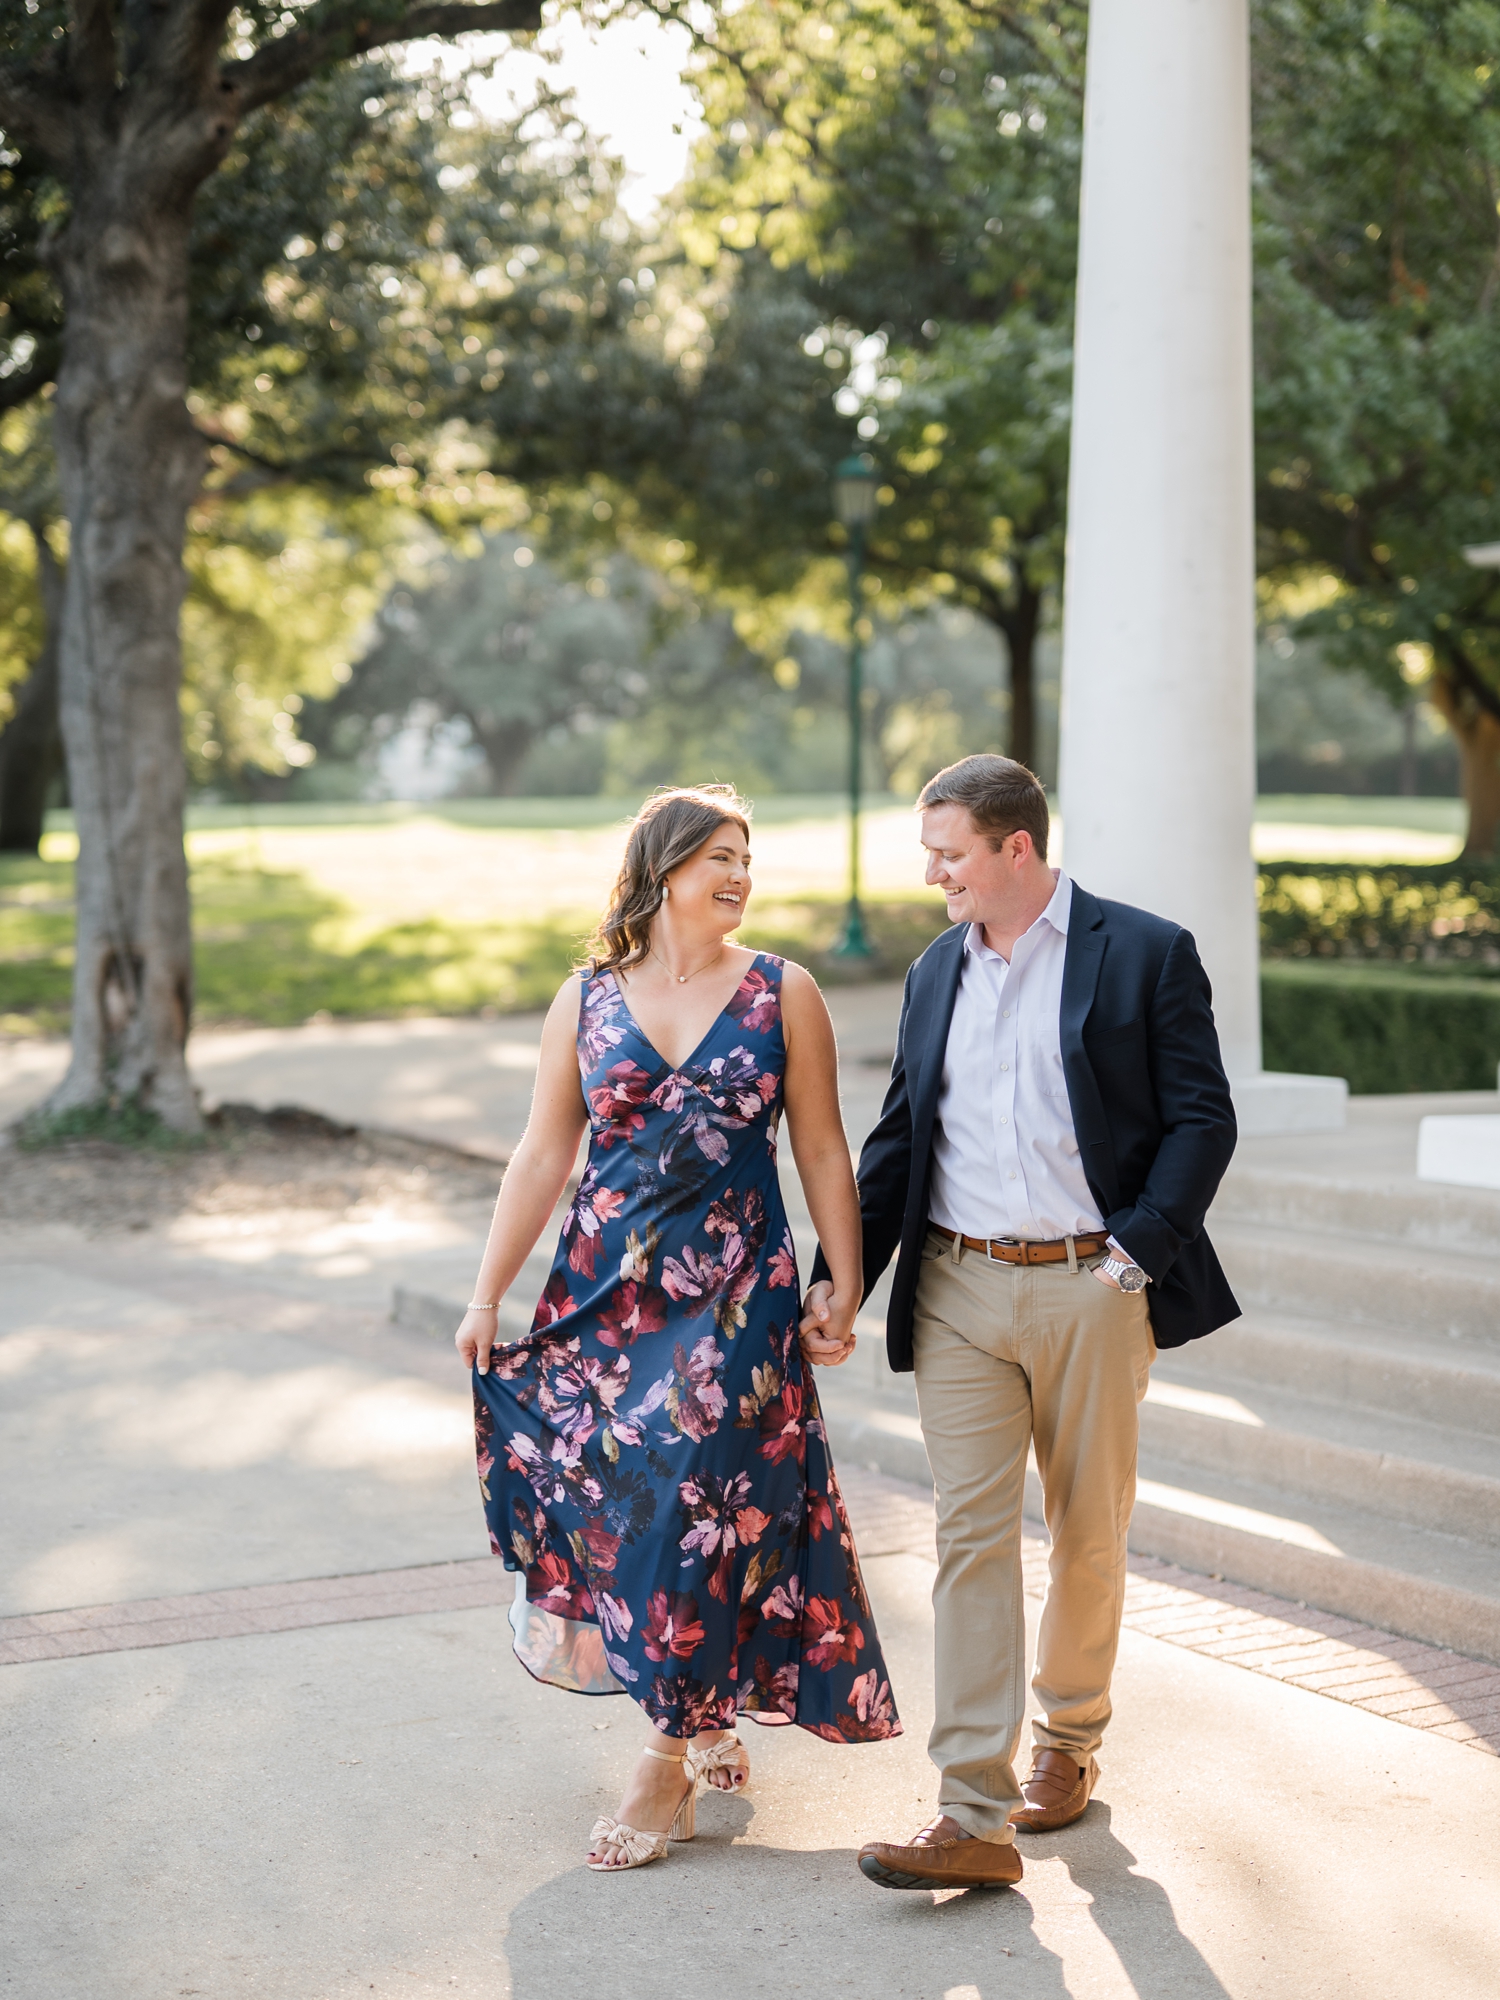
1150, 1102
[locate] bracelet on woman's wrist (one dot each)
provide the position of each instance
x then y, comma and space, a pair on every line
483, 1306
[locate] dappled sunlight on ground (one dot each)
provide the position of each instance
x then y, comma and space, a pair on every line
320, 1416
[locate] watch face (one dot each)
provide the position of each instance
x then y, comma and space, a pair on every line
1132, 1281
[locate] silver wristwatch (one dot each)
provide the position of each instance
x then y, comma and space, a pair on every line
1129, 1277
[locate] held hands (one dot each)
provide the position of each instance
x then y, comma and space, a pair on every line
827, 1328
477, 1333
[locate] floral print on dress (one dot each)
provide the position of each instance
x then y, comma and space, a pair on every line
652, 1458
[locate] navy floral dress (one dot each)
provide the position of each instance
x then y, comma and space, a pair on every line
652, 1457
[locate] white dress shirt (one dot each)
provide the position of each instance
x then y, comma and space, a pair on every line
1005, 1159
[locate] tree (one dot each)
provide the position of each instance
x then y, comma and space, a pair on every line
975, 450
128, 113
910, 173
503, 643
1378, 348
348, 258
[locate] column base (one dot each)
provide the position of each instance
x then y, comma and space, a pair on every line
1463, 1151
1272, 1102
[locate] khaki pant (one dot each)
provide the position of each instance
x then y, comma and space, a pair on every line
1008, 1356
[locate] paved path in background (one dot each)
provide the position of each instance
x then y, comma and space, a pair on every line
466, 1081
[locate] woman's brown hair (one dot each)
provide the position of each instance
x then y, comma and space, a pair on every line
668, 830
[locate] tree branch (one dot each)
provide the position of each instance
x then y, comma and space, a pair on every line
342, 28
92, 55
336, 465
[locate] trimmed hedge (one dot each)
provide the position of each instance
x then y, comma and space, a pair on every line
1384, 1028
1447, 914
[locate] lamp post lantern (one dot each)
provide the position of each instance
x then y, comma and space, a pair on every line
855, 481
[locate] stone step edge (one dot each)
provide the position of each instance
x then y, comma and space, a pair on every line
1419, 1214
1402, 1396
1413, 1607
1419, 1492
1434, 1378
1337, 1251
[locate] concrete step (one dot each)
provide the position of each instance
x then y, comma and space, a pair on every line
1388, 1462
1406, 1210
1350, 1282
1417, 1581
1403, 1577
1424, 1474
1433, 1377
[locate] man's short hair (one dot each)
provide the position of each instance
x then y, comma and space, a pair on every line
1000, 796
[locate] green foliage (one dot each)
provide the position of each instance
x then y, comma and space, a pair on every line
20, 606
904, 178
28, 507
1385, 1030
520, 648
280, 583
571, 670
373, 265
916, 162
1447, 915
975, 452
273, 949
1377, 343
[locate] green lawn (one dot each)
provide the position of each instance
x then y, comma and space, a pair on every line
274, 948
390, 909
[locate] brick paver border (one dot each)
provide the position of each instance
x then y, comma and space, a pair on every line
258, 1607
1424, 1687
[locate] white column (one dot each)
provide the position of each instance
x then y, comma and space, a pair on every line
1158, 687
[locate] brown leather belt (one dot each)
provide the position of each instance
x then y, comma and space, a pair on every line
1054, 1252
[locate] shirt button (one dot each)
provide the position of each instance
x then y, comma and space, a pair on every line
1004, 1121
1005, 1065
1010, 1177
1005, 1011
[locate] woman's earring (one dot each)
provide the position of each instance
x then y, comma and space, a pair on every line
666, 891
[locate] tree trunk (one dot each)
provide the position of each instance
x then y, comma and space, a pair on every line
1023, 623
1019, 624
1478, 734
31, 742
129, 463
505, 752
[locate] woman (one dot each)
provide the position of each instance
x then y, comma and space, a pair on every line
651, 1456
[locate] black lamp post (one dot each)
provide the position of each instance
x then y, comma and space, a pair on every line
854, 487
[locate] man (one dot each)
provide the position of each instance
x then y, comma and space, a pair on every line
1057, 1122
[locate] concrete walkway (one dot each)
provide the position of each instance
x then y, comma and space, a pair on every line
347, 1785
388, 1804
465, 1081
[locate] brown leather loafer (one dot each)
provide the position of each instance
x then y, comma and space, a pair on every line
941, 1856
1056, 1793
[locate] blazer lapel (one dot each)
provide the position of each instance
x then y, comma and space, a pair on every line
938, 1017
1082, 963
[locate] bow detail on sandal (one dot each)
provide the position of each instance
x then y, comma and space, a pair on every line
728, 1754
640, 1845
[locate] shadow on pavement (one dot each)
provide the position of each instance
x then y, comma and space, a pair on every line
725, 1920
1133, 1912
